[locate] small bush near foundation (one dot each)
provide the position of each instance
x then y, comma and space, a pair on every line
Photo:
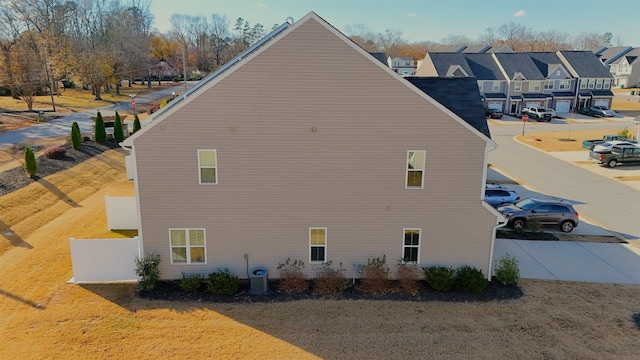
470, 279
99, 132
76, 136
30, 165
191, 283
56, 152
507, 270
292, 279
440, 278
375, 277
223, 283
147, 268
408, 277
330, 281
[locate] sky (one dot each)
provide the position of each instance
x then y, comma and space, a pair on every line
425, 20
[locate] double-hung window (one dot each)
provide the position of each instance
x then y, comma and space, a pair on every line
496, 86
208, 166
411, 245
599, 83
517, 86
318, 245
583, 84
565, 84
548, 85
187, 246
415, 169
534, 86
592, 83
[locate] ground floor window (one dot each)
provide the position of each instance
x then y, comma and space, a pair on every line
187, 246
318, 244
411, 245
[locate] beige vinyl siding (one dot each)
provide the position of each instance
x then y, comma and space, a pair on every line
277, 177
427, 68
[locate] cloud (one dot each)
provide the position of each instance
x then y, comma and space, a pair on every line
411, 14
520, 13
261, 5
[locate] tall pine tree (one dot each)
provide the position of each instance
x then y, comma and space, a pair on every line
100, 133
136, 124
76, 136
118, 133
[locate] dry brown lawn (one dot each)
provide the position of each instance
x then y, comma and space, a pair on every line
561, 140
43, 317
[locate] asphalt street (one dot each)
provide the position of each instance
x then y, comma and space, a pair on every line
62, 126
607, 203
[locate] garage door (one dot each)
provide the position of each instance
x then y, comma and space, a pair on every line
495, 105
601, 102
563, 106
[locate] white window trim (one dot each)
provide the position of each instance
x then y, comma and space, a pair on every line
599, 83
188, 246
607, 84
566, 86
517, 86
208, 167
412, 246
496, 86
592, 83
406, 165
534, 86
549, 82
583, 84
324, 246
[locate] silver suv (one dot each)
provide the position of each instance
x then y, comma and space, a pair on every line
499, 195
543, 211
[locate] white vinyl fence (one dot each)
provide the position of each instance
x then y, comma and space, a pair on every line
122, 213
104, 260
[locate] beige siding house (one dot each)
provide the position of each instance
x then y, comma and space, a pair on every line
285, 155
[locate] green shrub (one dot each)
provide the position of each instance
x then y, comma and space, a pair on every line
507, 270
534, 226
56, 152
292, 279
440, 278
625, 132
30, 165
408, 277
147, 268
223, 283
470, 279
118, 132
76, 136
375, 277
136, 124
100, 133
330, 281
191, 283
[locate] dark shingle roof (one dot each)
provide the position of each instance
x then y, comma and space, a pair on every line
478, 49
481, 66
513, 63
545, 61
586, 64
613, 53
460, 95
382, 57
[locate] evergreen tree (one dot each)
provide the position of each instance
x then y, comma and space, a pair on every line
118, 134
76, 136
136, 124
100, 133
30, 164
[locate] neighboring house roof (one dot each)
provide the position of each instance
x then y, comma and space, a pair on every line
514, 63
478, 49
631, 57
382, 57
611, 54
546, 62
452, 48
482, 66
500, 49
585, 64
460, 95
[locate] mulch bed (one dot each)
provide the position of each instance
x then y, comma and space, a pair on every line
171, 291
16, 178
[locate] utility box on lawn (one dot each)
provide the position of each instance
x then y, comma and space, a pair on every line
258, 280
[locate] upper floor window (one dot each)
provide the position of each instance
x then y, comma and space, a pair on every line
318, 244
599, 84
480, 85
607, 84
565, 84
534, 86
411, 245
548, 85
187, 246
583, 84
496, 86
415, 169
517, 86
592, 83
408, 63
208, 166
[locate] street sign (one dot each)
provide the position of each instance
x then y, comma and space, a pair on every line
133, 102
525, 117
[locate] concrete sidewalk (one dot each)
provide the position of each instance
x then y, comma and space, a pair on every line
573, 261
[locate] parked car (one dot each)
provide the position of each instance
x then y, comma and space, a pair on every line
499, 195
537, 113
554, 114
591, 143
602, 111
493, 113
543, 211
619, 154
606, 146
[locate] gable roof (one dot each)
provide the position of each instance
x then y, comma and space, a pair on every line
500, 49
546, 62
631, 57
460, 95
481, 66
608, 55
514, 63
382, 57
270, 41
585, 64
478, 49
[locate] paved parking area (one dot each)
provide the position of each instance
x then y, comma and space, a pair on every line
573, 261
